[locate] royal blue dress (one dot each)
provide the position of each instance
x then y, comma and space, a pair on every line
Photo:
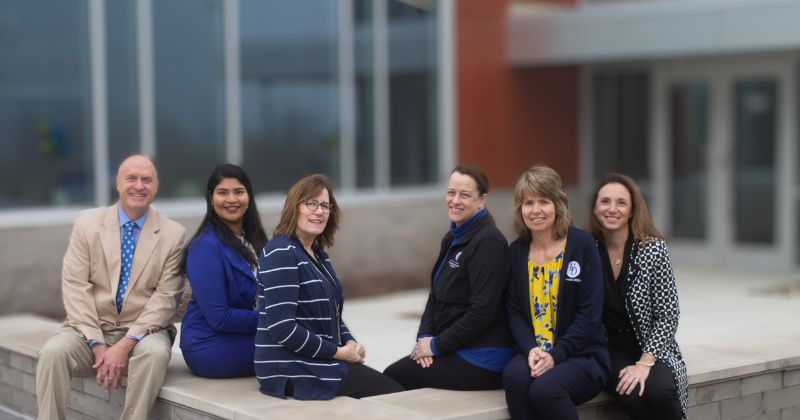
218, 330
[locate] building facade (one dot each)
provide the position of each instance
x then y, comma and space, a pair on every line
693, 98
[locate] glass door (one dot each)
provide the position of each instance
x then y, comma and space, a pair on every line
726, 185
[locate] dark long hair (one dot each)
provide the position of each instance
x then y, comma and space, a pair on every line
251, 225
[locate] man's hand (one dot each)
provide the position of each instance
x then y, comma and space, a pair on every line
112, 361
99, 351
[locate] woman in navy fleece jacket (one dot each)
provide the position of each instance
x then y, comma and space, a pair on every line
555, 303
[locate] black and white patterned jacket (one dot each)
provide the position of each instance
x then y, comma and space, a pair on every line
652, 306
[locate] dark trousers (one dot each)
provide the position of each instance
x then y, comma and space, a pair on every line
362, 381
553, 395
447, 372
660, 401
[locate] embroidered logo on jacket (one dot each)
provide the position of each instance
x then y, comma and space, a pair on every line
573, 270
453, 263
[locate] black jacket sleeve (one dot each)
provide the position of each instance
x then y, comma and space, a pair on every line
487, 271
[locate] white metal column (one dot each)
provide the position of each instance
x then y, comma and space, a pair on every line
144, 60
347, 87
233, 110
448, 96
380, 87
97, 56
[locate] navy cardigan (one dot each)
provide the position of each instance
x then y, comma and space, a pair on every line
579, 323
223, 294
300, 325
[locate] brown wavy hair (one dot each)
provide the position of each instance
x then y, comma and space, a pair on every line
304, 189
640, 223
543, 181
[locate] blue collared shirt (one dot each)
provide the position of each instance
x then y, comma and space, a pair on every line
124, 218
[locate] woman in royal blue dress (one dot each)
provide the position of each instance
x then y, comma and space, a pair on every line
218, 330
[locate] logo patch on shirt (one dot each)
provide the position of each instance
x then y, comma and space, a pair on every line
573, 269
453, 263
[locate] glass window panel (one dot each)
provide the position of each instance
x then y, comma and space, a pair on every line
689, 112
189, 93
123, 85
364, 96
45, 104
290, 110
754, 181
412, 90
621, 124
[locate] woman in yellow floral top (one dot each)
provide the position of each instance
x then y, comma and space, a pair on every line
555, 302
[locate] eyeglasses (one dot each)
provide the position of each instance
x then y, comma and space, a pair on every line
312, 205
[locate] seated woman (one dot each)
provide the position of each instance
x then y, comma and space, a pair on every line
463, 341
641, 310
555, 300
303, 346
218, 330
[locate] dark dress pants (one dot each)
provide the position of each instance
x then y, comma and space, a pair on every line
553, 395
447, 372
660, 401
362, 381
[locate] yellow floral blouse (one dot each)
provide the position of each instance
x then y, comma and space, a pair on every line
543, 288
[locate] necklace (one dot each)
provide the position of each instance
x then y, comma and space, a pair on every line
617, 261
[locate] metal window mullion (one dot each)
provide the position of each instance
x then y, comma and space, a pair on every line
97, 57
446, 88
347, 114
380, 87
233, 112
144, 60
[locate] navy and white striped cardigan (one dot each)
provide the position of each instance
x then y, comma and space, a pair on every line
299, 326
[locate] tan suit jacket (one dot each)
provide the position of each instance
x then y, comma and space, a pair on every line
90, 275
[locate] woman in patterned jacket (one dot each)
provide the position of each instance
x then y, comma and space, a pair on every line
303, 346
640, 309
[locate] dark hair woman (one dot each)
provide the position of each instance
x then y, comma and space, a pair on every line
641, 308
218, 330
555, 299
463, 341
303, 346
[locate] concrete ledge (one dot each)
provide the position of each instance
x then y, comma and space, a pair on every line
766, 389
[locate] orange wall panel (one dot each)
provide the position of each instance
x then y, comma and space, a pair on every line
509, 119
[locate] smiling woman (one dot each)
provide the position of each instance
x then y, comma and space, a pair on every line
218, 330
303, 346
463, 340
554, 304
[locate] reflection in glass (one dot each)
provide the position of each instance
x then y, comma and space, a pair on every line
122, 87
689, 112
290, 115
364, 38
45, 104
754, 179
621, 124
189, 93
412, 89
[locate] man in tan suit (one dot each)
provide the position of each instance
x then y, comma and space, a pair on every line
121, 288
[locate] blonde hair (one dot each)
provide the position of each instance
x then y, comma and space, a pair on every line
542, 181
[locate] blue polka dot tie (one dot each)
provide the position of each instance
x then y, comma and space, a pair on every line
126, 260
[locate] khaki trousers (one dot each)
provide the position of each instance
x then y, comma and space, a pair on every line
67, 354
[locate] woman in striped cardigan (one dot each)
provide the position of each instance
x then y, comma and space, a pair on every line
303, 347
